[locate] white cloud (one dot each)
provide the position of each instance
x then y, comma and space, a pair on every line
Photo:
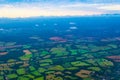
38, 9
74, 27
110, 7
30, 12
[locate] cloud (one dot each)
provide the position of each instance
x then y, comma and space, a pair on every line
31, 10
59, 9
110, 7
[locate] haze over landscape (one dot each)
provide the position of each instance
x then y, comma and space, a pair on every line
59, 39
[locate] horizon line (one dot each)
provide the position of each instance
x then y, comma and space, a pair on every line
64, 16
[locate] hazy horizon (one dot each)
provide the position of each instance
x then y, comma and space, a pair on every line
33, 8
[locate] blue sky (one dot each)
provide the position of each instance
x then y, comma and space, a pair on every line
31, 8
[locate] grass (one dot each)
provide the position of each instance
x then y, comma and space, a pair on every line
23, 78
1, 78
83, 51
26, 46
44, 64
79, 63
57, 68
26, 57
12, 76
36, 73
59, 51
73, 52
104, 62
41, 70
32, 68
39, 78
94, 68
46, 61
43, 53
21, 71
72, 68
30, 76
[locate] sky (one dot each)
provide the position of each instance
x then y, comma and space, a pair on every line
33, 8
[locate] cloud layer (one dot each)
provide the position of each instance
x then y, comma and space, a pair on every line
31, 8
